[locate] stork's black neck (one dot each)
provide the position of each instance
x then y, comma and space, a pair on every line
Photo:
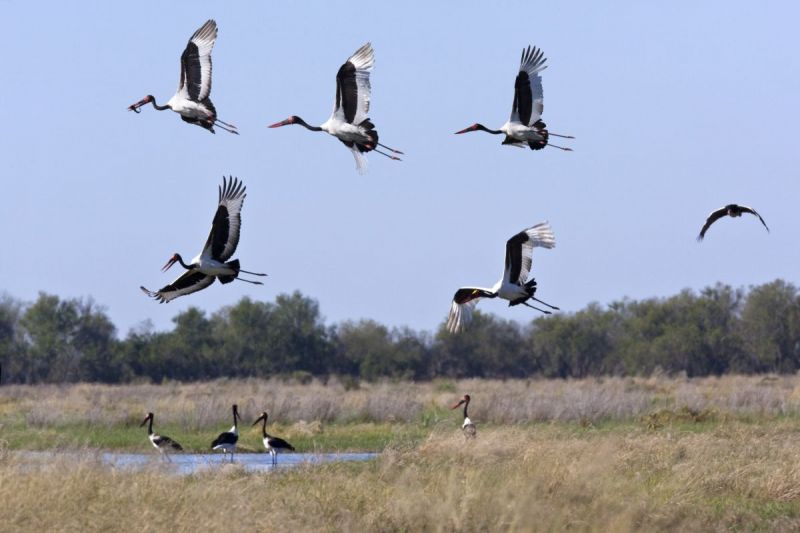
235, 414
487, 130
150, 426
298, 120
159, 107
184, 265
264, 427
466, 404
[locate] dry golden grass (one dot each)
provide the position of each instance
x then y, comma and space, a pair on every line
198, 406
735, 475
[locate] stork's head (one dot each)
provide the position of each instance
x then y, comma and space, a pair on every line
263, 416
294, 119
146, 419
172, 260
463, 400
474, 127
144, 101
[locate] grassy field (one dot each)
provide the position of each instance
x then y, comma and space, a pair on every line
591, 455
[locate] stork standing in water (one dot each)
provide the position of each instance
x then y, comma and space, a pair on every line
731, 210
162, 443
349, 122
467, 427
525, 127
513, 285
227, 441
274, 445
192, 101
211, 264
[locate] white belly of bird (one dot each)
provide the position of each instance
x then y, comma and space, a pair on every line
344, 131
212, 267
520, 132
510, 291
188, 108
153, 441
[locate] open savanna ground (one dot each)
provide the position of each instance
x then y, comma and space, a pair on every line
606, 454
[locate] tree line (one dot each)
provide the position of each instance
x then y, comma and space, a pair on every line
718, 330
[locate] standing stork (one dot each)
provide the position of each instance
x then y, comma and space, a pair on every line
467, 427
349, 122
220, 246
513, 285
731, 210
227, 440
525, 126
162, 443
192, 100
274, 445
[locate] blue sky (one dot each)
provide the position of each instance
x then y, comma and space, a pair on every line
677, 109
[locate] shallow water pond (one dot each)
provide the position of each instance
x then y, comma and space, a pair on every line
191, 463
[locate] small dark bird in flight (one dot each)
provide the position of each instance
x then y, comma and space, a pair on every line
731, 210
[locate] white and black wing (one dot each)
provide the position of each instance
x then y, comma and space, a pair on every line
279, 444
528, 95
752, 211
464, 302
195, 81
713, 217
227, 438
165, 443
519, 251
224, 235
353, 88
187, 283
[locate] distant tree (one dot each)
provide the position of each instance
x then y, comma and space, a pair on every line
66, 340
490, 347
11, 356
262, 339
574, 345
770, 327
373, 351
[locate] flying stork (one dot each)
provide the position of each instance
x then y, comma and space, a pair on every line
191, 101
525, 127
274, 445
162, 443
220, 246
227, 440
349, 122
467, 427
731, 210
513, 285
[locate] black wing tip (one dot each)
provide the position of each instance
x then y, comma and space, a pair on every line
156, 296
533, 55
231, 188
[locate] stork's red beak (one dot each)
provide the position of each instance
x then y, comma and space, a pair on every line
465, 130
286, 122
172, 261
458, 404
135, 107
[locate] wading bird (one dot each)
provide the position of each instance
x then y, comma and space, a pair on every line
227, 441
513, 285
731, 210
349, 122
467, 427
191, 101
525, 127
274, 445
162, 443
220, 246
